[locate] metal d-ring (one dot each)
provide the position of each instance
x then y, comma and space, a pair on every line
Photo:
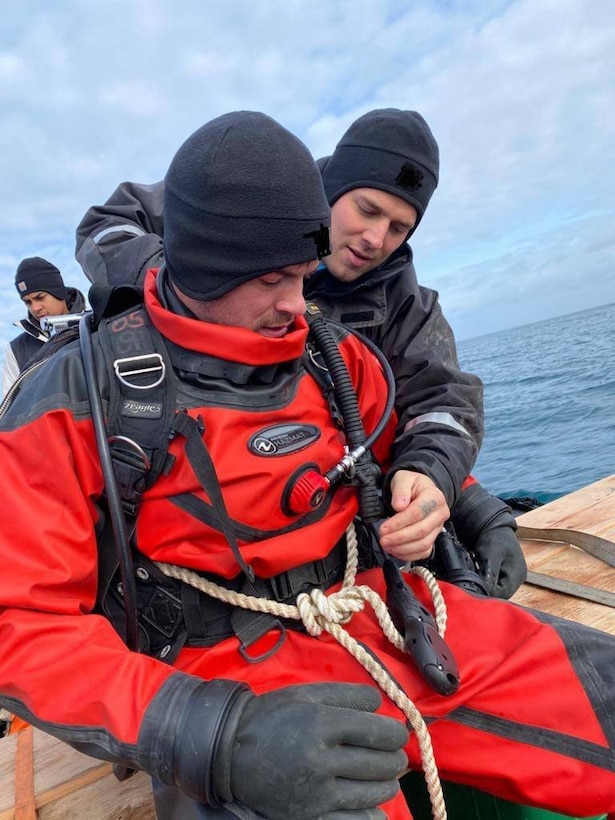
122, 374
147, 464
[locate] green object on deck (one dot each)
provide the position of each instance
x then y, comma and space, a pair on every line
464, 803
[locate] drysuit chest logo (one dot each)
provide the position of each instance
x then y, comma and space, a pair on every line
282, 439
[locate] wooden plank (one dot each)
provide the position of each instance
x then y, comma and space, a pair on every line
24, 776
590, 509
59, 768
8, 752
42, 778
104, 799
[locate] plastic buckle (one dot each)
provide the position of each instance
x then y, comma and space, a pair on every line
287, 585
281, 586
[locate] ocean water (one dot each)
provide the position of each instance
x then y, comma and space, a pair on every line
549, 403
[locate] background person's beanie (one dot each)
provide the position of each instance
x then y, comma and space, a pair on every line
242, 197
388, 149
36, 274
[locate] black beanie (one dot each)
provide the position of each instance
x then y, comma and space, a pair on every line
242, 197
388, 149
36, 274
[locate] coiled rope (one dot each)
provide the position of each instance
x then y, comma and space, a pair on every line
319, 612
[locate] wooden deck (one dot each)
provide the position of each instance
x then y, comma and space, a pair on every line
41, 778
592, 510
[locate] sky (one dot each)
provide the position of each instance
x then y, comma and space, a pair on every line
520, 95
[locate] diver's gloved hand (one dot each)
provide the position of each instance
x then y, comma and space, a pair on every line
485, 525
313, 751
500, 561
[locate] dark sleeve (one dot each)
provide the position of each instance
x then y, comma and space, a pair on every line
116, 243
440, 407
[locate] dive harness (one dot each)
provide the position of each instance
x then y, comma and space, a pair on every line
173, 613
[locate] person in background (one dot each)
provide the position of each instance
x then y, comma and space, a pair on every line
379, 181
308, 717
41, 288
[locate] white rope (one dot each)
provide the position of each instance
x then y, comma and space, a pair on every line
319, 612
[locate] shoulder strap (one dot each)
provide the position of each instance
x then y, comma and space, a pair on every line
142, 394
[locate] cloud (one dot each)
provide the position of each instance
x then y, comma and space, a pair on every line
520, 95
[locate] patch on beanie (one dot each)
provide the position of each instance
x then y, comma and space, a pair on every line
21, 286
321, 240
409, 177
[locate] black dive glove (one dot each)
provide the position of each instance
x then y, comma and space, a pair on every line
485, 525
313, 751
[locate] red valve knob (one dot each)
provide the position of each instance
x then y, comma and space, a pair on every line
308, 492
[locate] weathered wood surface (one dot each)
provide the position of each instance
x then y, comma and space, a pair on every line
42, 778
592, 510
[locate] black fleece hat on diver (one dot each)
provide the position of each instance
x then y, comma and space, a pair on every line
36, 274
388, 149
242, 197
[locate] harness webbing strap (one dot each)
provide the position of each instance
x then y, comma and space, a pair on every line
204, 511
200, 461
142, 396
172, 614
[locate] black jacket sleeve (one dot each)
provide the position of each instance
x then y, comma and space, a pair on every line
439, 406
116, 243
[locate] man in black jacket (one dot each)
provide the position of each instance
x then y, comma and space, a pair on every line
41, 288
379, 181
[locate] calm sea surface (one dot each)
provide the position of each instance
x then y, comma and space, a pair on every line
549, 403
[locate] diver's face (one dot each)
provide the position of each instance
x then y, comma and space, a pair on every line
367, 226
267, 305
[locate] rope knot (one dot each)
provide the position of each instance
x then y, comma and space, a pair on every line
317, 609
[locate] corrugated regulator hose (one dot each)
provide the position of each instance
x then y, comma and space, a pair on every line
367, 471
